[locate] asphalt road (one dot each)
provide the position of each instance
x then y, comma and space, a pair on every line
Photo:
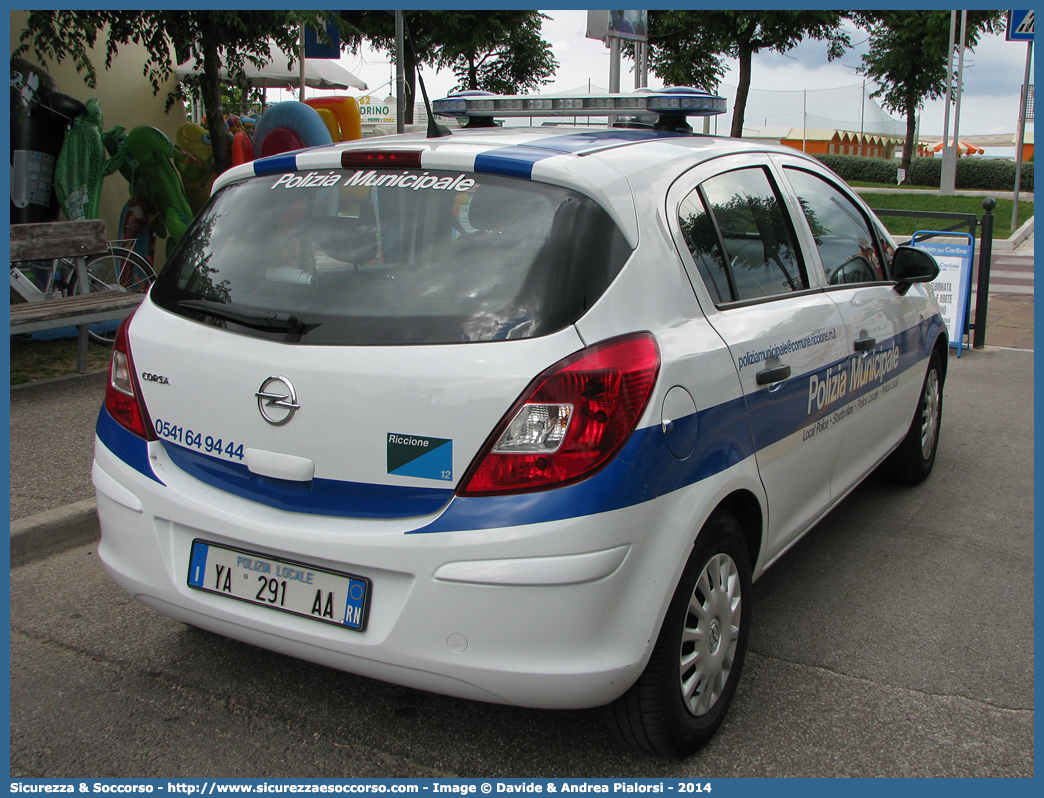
52, 442
896, 639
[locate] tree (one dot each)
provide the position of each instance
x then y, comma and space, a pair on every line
908, 59
499, 51
682, 54
213, 37
692, 45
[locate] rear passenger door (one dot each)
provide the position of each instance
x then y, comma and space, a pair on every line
787, 338
883, 323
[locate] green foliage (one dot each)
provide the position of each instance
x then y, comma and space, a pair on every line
908, 57
861, 169
972, 173
170, 38
499, 51
682, 53
689, 47
934, 203
234, 99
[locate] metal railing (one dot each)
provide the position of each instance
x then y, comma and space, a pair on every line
973, 223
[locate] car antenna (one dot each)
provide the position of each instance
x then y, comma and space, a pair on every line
435, 130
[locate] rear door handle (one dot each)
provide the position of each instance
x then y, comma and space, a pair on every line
769, 376
865, 344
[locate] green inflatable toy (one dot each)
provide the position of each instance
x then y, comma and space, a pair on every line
160, 180
81, 165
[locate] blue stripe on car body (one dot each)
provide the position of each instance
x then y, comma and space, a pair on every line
123, 443
517, 160
790, 401
276, 164
316, 497
643, 470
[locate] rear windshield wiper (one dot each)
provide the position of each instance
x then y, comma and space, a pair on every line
248, 317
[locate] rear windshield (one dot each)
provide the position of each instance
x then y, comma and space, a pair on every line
392, 256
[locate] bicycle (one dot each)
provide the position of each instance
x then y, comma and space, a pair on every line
119, 269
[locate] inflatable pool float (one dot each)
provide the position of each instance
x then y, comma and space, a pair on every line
345, 110
300, 122
242, 148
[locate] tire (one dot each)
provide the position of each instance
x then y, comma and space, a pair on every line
912, 462
671, 710
118, 270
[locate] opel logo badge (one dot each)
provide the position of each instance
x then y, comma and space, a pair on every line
715, 635
277, 400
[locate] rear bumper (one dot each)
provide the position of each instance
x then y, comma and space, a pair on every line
552, 614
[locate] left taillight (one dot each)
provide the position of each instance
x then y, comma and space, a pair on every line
123, 392
570, 422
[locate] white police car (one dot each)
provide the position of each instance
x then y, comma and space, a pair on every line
514, 414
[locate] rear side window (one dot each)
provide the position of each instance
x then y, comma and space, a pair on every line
738, 232
392, 256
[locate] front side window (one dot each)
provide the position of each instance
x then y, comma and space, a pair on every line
841, 231
392, 256
737, 231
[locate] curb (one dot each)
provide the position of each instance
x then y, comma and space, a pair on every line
61, 378
38, 536
1017, 239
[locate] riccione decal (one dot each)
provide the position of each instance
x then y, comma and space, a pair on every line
418, 456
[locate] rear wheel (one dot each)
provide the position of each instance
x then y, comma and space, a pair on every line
912, 462
685, 691
119, 269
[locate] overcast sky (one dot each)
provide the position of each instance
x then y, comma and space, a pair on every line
993, 74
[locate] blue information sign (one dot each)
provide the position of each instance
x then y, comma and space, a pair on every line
317, 49
952, 288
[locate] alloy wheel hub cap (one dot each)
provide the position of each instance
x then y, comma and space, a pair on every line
715, 635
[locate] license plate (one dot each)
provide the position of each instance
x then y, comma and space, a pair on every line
316, 593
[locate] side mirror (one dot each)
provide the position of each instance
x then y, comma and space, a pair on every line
913, 265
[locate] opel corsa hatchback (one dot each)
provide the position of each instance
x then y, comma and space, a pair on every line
514, 414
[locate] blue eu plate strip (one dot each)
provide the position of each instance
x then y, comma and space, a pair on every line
198, 563
354, 606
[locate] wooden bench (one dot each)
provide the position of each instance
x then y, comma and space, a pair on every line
78, 241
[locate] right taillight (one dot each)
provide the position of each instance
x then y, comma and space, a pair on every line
123, 393
571, 421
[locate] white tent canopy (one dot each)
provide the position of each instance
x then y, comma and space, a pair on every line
320, 73
990, 140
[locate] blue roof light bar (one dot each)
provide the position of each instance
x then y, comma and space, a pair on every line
675, 101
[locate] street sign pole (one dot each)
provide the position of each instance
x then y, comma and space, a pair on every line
1022, 138
1020, 29
400, 74
947, 160
948, 183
